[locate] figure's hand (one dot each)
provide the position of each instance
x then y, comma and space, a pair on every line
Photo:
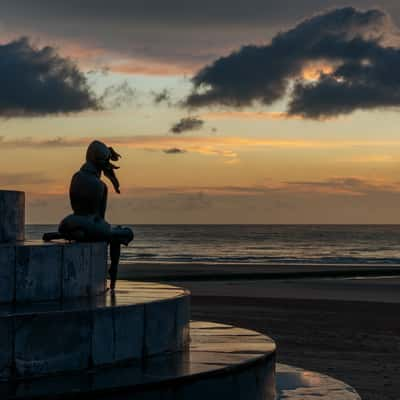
109, 168
114, 155
109, 173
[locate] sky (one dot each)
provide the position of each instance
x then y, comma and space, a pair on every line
231, 112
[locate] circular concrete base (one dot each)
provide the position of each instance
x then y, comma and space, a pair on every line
223, 362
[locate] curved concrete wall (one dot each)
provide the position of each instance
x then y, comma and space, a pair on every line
47, 338
12, 212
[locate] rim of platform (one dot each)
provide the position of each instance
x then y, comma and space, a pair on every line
127, 294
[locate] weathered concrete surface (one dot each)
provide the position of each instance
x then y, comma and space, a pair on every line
46, 343
118, 334
160, 334
129, 326
182, 322
12, 212
76, 270
103, 337
37, 271
6, 347
7, 273
98, 267
68, 335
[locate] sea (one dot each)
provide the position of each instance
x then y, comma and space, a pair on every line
257, 244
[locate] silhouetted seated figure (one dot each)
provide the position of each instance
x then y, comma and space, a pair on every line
88, 196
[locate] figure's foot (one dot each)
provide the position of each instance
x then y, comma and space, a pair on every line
48, 237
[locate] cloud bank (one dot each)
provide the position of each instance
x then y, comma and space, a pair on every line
37, 82
354, 68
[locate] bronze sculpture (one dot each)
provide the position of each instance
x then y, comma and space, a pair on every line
88, 197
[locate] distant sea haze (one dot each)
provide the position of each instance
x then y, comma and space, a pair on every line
258, 244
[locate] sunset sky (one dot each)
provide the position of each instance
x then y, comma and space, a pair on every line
251, 111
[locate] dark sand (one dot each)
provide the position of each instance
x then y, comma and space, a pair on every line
318, 324
358, 343
196, 271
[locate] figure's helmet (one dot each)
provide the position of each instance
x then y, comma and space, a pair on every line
100, 155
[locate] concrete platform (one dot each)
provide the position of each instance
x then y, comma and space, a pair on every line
299, 384
140, 320
223, 362
33, 271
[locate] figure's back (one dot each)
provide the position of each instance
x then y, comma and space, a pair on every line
88, 194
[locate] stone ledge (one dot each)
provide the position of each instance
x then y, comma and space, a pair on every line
36, 271
140, 320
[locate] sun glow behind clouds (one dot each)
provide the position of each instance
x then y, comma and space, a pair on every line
314, 70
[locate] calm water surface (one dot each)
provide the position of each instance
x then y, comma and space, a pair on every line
258, 244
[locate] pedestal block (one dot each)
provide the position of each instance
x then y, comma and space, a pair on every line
53, 337
32, 271
12, 215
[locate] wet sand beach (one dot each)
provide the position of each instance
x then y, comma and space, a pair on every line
345, 327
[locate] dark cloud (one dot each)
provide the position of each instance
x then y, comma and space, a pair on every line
362, 74
162, 97
187, 124
37, 81
174, 150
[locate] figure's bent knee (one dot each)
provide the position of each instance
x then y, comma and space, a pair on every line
123, 235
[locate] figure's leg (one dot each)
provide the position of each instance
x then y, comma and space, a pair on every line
119, 236
115, 252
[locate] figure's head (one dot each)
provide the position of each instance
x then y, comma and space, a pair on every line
100, 155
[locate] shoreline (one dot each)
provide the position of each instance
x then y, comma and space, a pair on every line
208, 271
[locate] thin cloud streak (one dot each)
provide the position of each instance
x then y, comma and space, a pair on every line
195, 143
354, 186
250, 115
23, 178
